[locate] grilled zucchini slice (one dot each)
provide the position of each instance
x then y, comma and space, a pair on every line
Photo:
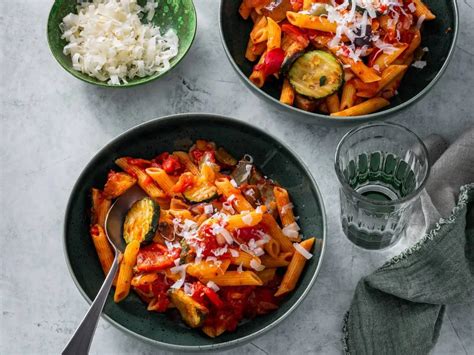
141, 221
316, 74
201, 193
192, 312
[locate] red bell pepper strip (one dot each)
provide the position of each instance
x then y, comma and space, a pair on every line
272, 62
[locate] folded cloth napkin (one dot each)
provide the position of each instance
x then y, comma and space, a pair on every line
399, 308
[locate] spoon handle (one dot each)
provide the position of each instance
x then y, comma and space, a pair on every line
82, 338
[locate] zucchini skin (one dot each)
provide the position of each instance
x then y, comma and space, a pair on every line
316, 74
147, 237
192, 312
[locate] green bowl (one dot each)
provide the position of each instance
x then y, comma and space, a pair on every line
179, 15
177, 132
415, 84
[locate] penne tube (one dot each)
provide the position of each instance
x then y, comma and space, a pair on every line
126, 270
187, 162
388, 76
207, 269
244, 10
294, 270
272, 247
318, 23
287, 95
162, 179
239, 202
365, 73
144, 181
259, 31
285, 207
244, 259
348, 95
276, 233
258, 76
100, 207
117, 184
273, 34
333, 103
236, 278
271, 262
102, 247
364, 108
267, 275
243, 220
385, 59
249, 52
423, 10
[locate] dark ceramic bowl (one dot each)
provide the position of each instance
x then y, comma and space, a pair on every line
438, 35
177, 133
179, 15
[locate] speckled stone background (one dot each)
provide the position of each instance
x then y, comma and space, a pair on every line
52, 124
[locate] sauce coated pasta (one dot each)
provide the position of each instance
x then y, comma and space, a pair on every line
214, 238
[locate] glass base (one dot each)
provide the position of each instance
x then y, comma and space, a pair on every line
369, 239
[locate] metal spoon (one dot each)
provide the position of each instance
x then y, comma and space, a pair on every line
82, 338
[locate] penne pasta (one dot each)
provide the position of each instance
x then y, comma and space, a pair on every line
272, 247
423, 10
144, 181
287, 93
294, 270
273, 34
100, 207
276, 233
236, 278
187, 162
267, 275
364, 108
126, 269
318, 23
333, 103
102, 247
285, 207
245, 259
230, 192
162, 179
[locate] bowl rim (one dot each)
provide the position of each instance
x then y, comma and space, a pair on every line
315, 117
190, 348
140, 81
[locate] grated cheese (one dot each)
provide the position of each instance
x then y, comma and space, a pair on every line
302, 251
419, 64
256, 265
107, 41
212, 285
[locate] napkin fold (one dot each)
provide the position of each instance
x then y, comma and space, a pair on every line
399, 308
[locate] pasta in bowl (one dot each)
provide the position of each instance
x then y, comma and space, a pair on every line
328, 59
217, 243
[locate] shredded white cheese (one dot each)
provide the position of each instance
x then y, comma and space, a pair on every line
420, 64
108, 41
256, 265
234, 253
212, 285
302, 251
291, 230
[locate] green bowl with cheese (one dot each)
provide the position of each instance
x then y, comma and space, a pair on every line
176, 15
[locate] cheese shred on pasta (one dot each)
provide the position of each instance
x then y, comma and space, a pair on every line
108, 41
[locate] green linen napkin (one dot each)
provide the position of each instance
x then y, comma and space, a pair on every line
399, 308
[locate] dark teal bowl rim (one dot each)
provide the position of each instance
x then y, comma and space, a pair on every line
219, 346
312, 117
147, 79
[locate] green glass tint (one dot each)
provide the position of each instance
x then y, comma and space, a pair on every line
382, 169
